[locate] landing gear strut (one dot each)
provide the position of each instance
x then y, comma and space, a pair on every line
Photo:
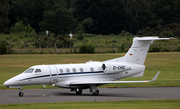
20, 92
94, 90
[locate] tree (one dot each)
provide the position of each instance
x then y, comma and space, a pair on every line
140, 15
22, 31
93, 16
167, 11
29, 11
108, 16
19, 27
68, 4
3, 47
87, 23
4, 11
58, 20
87, 48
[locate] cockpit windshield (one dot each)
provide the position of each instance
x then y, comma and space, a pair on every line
30, 70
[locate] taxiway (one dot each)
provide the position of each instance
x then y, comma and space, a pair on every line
106, 94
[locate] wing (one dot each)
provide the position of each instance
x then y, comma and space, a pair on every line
110, 82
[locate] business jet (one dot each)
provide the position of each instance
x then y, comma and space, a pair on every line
89, 75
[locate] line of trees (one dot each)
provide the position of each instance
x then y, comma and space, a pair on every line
138, 17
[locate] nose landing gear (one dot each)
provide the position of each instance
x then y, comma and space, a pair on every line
21, 94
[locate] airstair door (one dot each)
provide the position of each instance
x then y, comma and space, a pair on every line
53, 74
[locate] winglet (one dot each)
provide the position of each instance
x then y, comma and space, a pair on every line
155, 77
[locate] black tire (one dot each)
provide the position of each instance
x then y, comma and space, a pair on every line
21, 94
96, 93
79, 92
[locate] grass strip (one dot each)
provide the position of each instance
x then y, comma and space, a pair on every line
135, 104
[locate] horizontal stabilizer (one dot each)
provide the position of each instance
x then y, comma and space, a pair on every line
150, 38
110, 82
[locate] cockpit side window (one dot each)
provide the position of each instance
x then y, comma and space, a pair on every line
30, 70
38, 71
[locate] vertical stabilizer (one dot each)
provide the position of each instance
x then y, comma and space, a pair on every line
138, 51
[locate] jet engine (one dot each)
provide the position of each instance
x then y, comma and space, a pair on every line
114, 67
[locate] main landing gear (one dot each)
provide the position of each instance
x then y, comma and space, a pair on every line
96, 92
93, 89
78, 91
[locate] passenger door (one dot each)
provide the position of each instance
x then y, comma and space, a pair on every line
53, 74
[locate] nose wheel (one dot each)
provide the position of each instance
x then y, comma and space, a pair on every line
21, 94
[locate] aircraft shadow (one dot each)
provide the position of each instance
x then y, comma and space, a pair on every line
100, 95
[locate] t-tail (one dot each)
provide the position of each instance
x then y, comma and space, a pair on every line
139, 49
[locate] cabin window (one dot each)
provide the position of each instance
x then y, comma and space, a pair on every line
38, 71
92, 69
30, 70
81, 69
67, 70
74, 70
61, 70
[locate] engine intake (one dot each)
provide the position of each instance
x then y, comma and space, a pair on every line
114, 67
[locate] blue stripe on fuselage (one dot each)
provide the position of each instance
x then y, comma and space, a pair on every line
61, 74
35, 77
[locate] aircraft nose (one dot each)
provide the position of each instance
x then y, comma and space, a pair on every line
10, 82
7, 83
13, 81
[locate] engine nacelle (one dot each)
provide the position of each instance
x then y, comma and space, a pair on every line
114, 67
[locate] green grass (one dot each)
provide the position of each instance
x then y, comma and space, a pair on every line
166, 62
135, 104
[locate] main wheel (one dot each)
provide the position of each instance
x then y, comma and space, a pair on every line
21, 94
96, 93
78, 91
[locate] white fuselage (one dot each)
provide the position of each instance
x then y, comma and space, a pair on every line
61, 75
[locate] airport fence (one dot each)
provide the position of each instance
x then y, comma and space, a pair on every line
35, 47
